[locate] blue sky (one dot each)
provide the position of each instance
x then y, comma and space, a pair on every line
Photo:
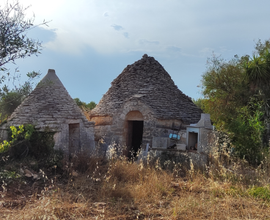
90, 42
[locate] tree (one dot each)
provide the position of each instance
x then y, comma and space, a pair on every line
258, 68
14, 45
91, 105
84, 106
198, 102
11, 99
236, 95
246, 132
225, 89
258, 75
14, 42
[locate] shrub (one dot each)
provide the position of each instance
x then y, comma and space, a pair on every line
26, 140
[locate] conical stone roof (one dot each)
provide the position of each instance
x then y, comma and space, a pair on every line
49, 104
147, 81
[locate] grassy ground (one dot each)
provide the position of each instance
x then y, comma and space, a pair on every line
99, 189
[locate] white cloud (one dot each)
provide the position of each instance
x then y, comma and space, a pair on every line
180, 34
189, 25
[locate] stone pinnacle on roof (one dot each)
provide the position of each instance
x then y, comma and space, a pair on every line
147, 81
51, 77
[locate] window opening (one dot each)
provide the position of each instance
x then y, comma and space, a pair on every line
193, 140
74, 138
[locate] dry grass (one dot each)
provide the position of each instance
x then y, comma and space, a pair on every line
119, 189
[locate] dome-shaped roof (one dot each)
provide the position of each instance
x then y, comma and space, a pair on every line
49, 103
149, 82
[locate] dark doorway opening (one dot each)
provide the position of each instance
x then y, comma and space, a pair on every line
74, 138
193, 140
134, 137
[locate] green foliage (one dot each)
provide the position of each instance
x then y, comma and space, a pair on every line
258, 71
22, 132
41, 144
225, 89
199, 103
54, 159
6, 174
258, 75
28, 144
260, 192
85, 106
16, 134
246, 132
91, 105
4, 146
25, 140
237, 96
14, 42
11, 99
9, 102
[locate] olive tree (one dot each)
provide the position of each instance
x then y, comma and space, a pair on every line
15, 44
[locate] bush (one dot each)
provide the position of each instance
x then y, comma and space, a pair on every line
25, 140
41, 144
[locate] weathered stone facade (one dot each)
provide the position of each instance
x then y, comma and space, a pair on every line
193, 145
49, 106
142, 98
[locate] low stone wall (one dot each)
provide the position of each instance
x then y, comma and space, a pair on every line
185, 158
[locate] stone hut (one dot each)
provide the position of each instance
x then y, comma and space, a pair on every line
49, 106
143, 106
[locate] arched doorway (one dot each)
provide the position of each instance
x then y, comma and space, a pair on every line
133, 132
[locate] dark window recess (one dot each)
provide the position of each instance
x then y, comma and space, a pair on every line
74, 138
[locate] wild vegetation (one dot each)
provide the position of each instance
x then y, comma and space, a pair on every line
86, 108
236, 94
38, 182
99, 188
15, 44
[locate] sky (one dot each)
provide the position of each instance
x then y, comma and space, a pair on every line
90, 42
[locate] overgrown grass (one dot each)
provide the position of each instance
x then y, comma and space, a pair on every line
96, 188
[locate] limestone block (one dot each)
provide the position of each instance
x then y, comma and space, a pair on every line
122, 116
181, 147
3, 134
160, 142
183, 134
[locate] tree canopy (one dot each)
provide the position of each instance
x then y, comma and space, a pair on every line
236, 94
85, 106
15, 44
